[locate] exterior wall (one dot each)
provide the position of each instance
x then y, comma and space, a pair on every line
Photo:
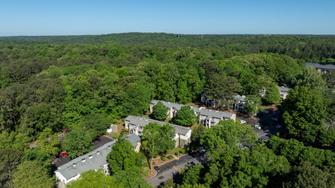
172, 113
183, 140
283, 95
151, 108
138, 147
105, 169
133, 129
126, 125
208, 121
63, 180
233, 117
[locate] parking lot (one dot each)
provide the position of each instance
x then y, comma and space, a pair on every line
168, 170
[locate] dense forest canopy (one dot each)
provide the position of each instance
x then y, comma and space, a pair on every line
61, 93
306, 47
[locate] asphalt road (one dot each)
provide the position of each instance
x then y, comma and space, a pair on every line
167, 171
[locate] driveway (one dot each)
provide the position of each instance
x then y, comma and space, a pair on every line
168, 170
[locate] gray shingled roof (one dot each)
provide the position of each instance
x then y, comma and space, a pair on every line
320, 66
201, 110
134, 139
214, 113
90, 161
142, 121
168, 104
284, 89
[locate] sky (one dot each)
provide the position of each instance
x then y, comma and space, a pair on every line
79, 17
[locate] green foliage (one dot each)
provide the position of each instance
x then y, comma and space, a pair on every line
159, 112
272, 95
304, 112
77, 142
85, 83
234, 159
185, 116
296, 153
252, 105
44, 148
30, 174
12, 140
308, 175
124, 158
137, 99
221, 88
197, 131
157, 139
9, 159
192, 175
227, 134
311, 78
96, 124
131, 179
96, 179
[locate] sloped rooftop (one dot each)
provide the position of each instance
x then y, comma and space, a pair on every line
321, 66
90, 161
201, 110
215, 113
142, 121
168, 104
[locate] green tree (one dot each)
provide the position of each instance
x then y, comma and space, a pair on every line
9, 159
234, 159
252, 105
227, 134
192, 175
40, 116
185, 116
131, 179
157, 140
312, 78
137, 98
123, 157
96, 123
45, 148
183, 94
296, 153
304, 111
272, 95
30, 174
159, 112
77, 142
221, 88
308, 175
96, 179
197, 131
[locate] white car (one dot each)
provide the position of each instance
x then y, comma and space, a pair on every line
242, 121
258, 127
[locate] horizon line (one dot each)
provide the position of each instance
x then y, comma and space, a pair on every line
167, 33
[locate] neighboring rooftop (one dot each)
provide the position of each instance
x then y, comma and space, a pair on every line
133, 139
168, 104
60, 161
321, 66
90, 161
284, 89
142, 121
102, 140
214, 113
201, 110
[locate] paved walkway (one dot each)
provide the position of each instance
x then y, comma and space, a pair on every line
168, 170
